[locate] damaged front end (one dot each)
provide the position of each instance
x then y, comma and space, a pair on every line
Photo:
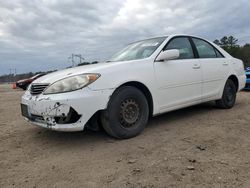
45, 113
68, 112
61, 114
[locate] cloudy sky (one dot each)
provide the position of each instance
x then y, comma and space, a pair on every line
41, 34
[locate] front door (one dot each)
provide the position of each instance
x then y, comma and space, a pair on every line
179, 80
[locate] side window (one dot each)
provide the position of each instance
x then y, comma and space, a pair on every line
205, 50
183, 45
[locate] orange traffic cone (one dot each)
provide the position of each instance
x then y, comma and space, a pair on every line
13, 85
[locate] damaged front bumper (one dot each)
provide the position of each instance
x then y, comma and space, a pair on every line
65, 111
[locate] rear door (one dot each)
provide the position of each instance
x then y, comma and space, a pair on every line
215, 68
179, 80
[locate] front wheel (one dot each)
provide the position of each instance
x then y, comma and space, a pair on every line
127, 113
229, 96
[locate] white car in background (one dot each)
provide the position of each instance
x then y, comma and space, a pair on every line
146, 78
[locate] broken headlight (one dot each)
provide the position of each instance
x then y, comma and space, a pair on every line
71, 83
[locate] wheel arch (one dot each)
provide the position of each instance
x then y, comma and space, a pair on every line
94, 122
144, 89
235, 80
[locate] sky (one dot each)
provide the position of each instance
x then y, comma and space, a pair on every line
40, 35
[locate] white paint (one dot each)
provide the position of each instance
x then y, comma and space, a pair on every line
173, 84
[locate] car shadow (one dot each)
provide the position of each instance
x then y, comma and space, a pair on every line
180, 115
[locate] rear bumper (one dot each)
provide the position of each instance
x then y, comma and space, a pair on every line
242, 82
66, 111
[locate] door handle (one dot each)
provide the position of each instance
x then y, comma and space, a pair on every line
196, 66
225, 63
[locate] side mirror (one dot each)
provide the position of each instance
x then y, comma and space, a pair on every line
168, 55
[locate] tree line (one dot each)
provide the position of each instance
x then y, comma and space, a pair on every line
7, 78
230, 45
15, 77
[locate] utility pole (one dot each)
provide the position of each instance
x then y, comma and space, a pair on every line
80, 57
15, 75
73, 62
72, 58
10, 76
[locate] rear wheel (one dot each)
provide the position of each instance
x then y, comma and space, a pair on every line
127, 113
229, 96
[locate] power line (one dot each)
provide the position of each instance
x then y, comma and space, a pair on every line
72, 58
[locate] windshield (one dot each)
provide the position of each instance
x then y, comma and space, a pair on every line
138, 50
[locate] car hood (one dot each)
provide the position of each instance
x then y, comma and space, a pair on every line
55, 76
23, 80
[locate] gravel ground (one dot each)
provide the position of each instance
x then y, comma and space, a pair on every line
200, 146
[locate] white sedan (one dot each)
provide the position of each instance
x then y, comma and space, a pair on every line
146, 78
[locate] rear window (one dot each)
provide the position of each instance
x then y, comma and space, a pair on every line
205, 50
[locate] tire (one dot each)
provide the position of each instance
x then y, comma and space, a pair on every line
127, 113
228, 97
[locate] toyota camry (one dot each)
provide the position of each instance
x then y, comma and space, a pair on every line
146, 78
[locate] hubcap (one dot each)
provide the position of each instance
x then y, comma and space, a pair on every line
129, 112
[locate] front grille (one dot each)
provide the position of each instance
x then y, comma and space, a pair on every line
37, 89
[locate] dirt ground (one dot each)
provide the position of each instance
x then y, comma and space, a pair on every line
199, 146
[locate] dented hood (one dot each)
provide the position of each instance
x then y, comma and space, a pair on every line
58, 75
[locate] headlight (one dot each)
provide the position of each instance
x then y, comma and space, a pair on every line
71, 83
